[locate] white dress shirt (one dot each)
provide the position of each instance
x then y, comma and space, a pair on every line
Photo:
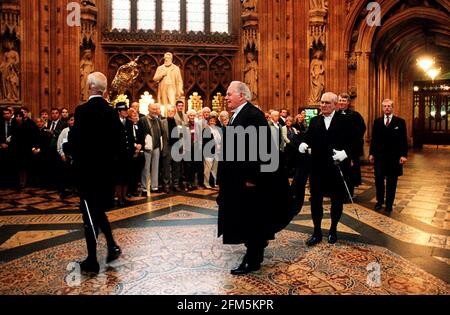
386, 117
236, 112
327, 119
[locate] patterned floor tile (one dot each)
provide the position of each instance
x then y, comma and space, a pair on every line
30, 201
326, 223
191, 260
28, 237
48, 205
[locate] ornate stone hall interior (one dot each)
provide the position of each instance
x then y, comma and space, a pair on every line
289, 53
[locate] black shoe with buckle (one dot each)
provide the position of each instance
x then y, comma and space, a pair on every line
314, 240
90, 266
332, 237
113, 253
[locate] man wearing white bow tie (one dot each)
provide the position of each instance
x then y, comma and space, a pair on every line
388, 152
330, 139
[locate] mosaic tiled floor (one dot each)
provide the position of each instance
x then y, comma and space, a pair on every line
170, 246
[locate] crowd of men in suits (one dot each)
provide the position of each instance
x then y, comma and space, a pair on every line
31, 149
136, 154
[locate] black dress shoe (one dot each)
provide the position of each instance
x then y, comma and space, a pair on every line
245, 268
314, 240
113, 253
176, 189
378, 206
388, 209
89, 266
332, 238
144, 194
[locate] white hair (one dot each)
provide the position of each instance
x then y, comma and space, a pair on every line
334, 97
241, 87
191, 112
171, 107
206, 109
224, 114
97, 82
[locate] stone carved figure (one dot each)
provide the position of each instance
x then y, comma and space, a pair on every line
249, 6
317, 78
170, 82
9, 70
251, 74
86, 68
318, 5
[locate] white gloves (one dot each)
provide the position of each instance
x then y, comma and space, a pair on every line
339, 155
303, 147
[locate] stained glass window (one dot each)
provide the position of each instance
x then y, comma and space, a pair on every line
142, 15
171, 15
146, 14
219, 16
121, 14
195, 15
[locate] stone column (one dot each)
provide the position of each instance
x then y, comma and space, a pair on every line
250, 46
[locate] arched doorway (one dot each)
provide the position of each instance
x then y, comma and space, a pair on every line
384, 57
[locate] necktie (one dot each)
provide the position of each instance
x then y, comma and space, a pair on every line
53, 126
8, 125
232, 118
387, 120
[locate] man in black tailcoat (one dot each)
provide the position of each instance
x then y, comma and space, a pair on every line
94, 146
388, 152
331, 139
245, 213
359, 127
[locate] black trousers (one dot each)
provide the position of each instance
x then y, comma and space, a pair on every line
337, 200
255, 251
391, 187
298, 186
99, 221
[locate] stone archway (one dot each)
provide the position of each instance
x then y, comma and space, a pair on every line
382, 60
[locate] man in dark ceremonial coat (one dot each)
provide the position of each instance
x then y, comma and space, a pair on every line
359, 127
94, 145
332, 140
245, 214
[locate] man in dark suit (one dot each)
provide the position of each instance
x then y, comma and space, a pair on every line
331, 139
388, 152
7, 125
245, 215
359, 127
94, 145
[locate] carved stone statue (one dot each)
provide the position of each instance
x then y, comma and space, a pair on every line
86, 68
9, 69
251, 74
249, 6
170, 82
318, 5
317, 78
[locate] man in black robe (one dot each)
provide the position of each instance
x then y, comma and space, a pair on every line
94, 146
